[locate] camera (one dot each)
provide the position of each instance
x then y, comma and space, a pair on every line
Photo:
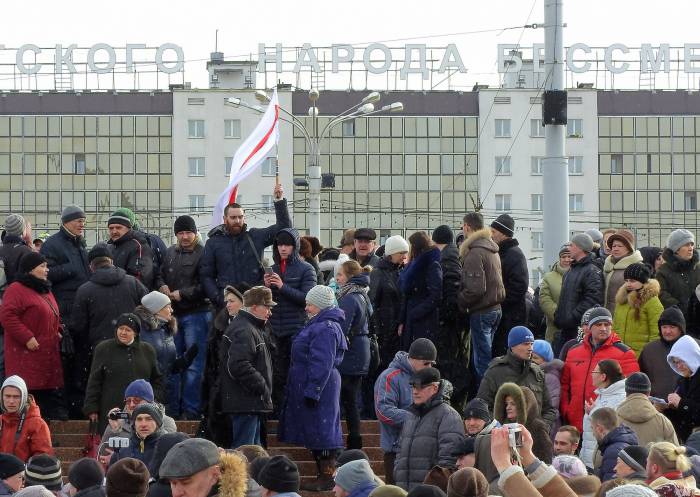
115, 415
118, 442
515, 435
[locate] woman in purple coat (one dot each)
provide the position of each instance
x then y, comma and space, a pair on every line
311, 414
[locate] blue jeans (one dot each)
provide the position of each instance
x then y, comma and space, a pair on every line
245, 430
482, 327
185, 390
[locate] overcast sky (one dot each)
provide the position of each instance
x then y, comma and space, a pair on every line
243, 24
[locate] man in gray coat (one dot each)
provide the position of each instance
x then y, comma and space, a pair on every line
431, 431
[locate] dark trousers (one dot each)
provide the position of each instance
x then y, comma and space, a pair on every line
280, 370
50, 402
389, 460
349, 389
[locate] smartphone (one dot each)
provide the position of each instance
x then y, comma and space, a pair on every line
657, 400
268, 270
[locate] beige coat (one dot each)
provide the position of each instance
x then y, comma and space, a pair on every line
615, 276
637, 412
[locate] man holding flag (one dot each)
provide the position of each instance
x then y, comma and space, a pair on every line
233, 253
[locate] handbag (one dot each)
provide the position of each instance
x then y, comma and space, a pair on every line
67, 346
374, 358
92, 442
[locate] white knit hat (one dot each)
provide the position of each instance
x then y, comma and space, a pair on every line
321, 296
395, 245
155, 301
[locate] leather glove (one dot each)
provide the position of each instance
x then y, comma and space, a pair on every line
184, 361
310, 403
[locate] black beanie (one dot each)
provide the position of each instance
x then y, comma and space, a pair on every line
185, 223
505, 224
673, 316
130, 320
443, 235
285, 238
85, 473
151, 410
280, 474
10, 465
479, 409
351, 455
256, 466
638, 272
99, 250
29, 261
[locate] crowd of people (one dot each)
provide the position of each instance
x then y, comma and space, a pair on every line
586, 385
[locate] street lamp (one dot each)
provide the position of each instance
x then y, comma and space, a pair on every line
314, 138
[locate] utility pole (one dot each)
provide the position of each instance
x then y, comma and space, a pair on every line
555, 167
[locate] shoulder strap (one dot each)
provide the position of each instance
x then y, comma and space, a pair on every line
255, 251
53, 309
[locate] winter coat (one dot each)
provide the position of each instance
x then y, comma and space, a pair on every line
392, 398
687, 415
636, 317
99, 302
652, 361
68, 267
481, 287
246, 376
452, 323
614, 273
451, 277
355, 305
35, 437
180, 271
385, 296
550, 290
114, 367
288, 317
581, 289
371, 260
133, 254
13, 248
552, 380
421, 284
528, 415
509, 368
317, 350
544, 482
29, 310
161, 336
576, 384
230, 260
610, 446
516, 279
637, 412
428, 438
141, 449
610, 396
96, 491
678, 280
674, 484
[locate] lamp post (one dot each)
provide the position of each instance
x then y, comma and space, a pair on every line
314, 138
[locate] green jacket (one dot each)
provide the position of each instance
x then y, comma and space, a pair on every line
636, 318
614, 273
550, 288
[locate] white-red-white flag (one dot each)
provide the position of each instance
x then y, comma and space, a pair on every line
249, 156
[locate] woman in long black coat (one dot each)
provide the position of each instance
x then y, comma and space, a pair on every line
421, 284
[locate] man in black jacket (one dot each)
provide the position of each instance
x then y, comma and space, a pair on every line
179, 280
67, 258
515, 281
130, 250
581, 289
364, 246
246, 372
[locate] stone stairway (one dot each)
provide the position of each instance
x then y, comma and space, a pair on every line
69, 439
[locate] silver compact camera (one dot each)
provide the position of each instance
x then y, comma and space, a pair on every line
515, 435
118, 442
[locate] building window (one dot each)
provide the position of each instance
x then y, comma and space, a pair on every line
536, 128
690, 201
195, 101
503, 202
616, 163
79, 164
502, 166
269, 167
536, 201
502, 128
196, 203
196, 166
576, 164
537, 240
228, 164
574, 128
267, 202
349, 128
195, 128
536, 166
576, 202
232, 128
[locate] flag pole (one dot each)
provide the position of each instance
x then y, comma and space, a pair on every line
277, 165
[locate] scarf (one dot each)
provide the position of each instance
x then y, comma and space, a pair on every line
34, 283
351, 288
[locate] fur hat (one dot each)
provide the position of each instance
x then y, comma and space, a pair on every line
258, 295
467, 482
127, 477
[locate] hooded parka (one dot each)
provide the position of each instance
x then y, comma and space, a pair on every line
636, 317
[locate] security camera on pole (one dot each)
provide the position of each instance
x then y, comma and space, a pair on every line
555, 165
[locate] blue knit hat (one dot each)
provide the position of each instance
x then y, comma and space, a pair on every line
543, 349
141, 389
518, 335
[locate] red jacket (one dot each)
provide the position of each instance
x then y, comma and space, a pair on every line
35, 437
576, 382
25, 313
